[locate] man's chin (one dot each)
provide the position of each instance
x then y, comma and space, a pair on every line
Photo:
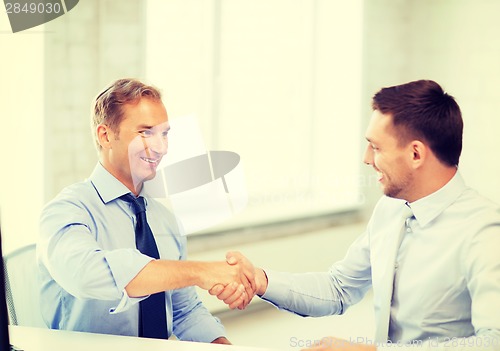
140, 179
149, 176
393, 194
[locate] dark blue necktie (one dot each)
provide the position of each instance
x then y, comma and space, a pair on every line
152, 312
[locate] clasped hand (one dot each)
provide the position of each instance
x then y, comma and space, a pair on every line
240, 292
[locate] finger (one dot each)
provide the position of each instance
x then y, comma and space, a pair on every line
248, 280
228, 291
231, 260
245, 302
246, 268
232, 254
249, 291
216, 289
232, 257
239, 303
251, 285
240, 292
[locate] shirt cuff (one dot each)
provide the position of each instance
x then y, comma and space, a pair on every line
211, 331
278, 286
126, 302
125, 265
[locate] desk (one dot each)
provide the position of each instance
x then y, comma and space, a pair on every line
37, 339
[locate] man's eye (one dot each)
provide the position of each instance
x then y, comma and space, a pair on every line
146, 133
164, 134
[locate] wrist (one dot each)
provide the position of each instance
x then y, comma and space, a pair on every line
262, 281
208, 274
199, 274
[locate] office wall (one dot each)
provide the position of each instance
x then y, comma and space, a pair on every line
454, 42
49, 75
21, 142
264, 80
88, 48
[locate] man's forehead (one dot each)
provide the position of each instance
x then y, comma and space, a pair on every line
380, 125
147, 113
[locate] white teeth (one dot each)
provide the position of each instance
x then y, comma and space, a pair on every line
150, 160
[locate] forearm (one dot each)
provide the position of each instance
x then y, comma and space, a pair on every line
162, 275
306, 294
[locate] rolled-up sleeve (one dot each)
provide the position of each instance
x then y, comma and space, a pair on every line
75, 260
192, 321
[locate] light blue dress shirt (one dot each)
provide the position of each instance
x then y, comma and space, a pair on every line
87, 255
447, 272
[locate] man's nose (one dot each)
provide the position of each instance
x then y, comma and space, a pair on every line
368, 157
158, 144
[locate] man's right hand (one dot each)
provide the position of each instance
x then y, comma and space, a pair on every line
234, 277
256, 277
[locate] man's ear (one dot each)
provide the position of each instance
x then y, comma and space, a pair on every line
103, 133
419, 153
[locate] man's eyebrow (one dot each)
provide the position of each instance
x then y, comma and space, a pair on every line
147, 126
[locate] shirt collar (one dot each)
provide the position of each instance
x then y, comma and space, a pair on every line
107, 186
428, 208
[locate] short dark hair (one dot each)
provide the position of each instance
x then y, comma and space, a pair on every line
422, 110
107, 108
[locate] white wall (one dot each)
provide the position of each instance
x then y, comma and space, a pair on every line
22, 139
454, 42
49, 76
277, 82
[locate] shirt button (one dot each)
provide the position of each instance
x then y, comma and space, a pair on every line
396, 265
408, 230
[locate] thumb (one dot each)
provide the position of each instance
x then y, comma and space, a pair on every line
216, 289
230, 258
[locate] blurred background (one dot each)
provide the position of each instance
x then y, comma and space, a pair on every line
286, 84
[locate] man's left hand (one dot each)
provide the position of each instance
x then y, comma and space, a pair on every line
221, 340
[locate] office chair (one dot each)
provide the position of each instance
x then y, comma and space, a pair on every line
22, 288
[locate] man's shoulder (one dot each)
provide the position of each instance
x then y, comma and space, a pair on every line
74, 203
473, 204
77, 193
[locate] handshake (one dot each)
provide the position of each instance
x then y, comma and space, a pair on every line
235, 281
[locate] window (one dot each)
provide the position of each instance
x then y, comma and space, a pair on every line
276, 81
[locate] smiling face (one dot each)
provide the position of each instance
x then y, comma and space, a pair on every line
132, 152
390, 160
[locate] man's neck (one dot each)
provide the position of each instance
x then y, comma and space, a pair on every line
129, 182
432, 181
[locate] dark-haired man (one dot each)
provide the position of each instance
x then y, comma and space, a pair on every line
430, 249
94, 277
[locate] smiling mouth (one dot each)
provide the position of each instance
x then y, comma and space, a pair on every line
153, 161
